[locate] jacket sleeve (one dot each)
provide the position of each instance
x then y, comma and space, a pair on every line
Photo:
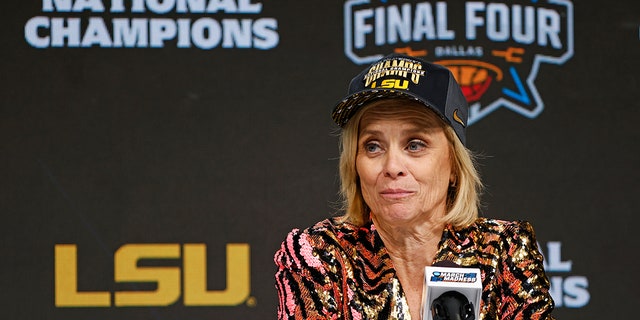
305, 290
524, 284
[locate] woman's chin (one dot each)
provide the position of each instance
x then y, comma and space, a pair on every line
396, 214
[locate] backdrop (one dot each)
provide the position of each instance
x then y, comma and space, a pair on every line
156, 152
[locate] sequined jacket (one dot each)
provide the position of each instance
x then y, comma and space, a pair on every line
340, 271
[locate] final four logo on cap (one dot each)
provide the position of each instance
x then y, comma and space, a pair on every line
403, 76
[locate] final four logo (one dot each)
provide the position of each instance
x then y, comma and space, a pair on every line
494, 49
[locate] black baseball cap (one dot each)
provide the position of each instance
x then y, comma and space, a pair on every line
398, 75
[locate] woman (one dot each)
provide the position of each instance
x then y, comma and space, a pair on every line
410, 193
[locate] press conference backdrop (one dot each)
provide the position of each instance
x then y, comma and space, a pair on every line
156, 152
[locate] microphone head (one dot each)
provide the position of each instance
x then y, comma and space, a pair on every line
446, 264
452, 305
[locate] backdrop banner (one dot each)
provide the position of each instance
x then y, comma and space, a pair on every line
156, 152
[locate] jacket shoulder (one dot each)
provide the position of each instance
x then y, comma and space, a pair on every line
325, 238
505, 228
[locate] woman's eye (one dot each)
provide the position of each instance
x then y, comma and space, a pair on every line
372, 147
416, 145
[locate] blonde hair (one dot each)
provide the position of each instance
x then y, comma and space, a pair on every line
463, 198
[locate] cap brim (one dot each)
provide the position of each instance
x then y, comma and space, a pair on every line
351, 104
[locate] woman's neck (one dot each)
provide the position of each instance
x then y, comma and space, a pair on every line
409, 242
411, 249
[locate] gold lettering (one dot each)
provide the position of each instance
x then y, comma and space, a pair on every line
167, 278
387, 68
387, 83
403, 68
169, 283
238, 278
373, 74
417, 73
394, 84
404, 85
66, 281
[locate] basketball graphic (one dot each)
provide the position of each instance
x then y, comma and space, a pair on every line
474, 76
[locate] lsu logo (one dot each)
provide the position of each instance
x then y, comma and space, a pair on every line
131, 265
392, 84
494, 49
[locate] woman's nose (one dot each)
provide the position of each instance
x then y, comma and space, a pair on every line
394, 166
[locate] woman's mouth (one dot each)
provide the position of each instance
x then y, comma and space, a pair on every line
394, 194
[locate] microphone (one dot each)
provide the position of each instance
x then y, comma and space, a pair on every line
451, 292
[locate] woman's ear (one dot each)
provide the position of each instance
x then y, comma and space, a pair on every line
453, 180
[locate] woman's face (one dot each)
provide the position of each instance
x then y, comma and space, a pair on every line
404, 168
